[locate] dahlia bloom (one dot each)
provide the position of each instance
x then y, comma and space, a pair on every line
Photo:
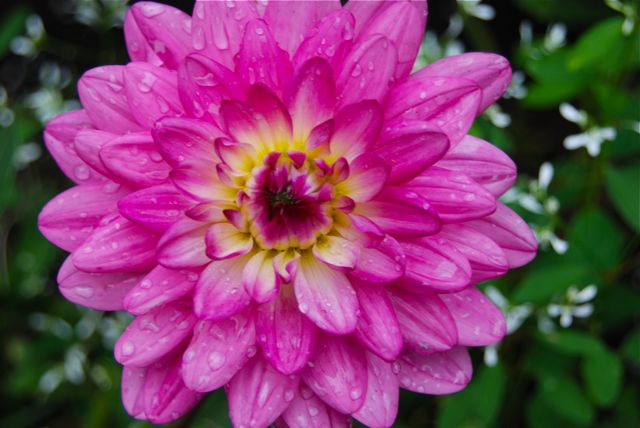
286, 211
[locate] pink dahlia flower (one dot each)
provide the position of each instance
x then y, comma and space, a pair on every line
286, 211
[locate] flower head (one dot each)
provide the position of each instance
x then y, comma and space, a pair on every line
285, 210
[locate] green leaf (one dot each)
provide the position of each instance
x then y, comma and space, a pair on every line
567, 399
545, 281
602, 373
631, 347
569, 11
11, 26
596, 44
623, 185
572, 342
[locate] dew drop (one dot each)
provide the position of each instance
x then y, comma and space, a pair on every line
216, 360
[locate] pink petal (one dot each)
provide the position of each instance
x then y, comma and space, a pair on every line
455, 196
132, 390
200, 183
483, 162
311, 97
219, 291
260, 60
440, 373
70, 217
383, 393
434, 265
225, 241
218, 29
292, 21
165, 395
378, 327
409, 147
166, 29
183, 141
151, 92
133, 160
203, 83
401, 213
367, 176
155, 334
338, 373
331, 40
217, 351
337, 252
451, 103
274, 111
489, 71
101, 91
245, 124
319, 288
358, 229
158, 287
286, 336
183, 246
258, 394
368, 70
103, 291
156, 208
403, 24
88, 143
486, 258
356, 128
259, 277
117, 245
478, 321
511, 233
381, 264
138, 46
59, 136
308, 411
425, 322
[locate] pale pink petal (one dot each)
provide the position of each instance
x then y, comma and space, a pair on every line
337, 252
378, 327
258, 394
183, 246
454, 196
511, 233
381, 264
434, 265
425, 322
479, 322
286, 336
359, 229
88, 143
138, 46
367, 176
156, 208
403, 24
401, 212
201, 183
331, 39
203, 83
217, 351
489, 71
483, 162
410, 146
337, 373
218, 29
166, 29
451, 103
70, 217
439, 373
311, 97
183, 141
117, 245
486, 258
151, 92
292, 21
165, 395
155, 334
244, 124
308, 411
158, 287
325, 296
219, 291
368, 70
259, 277
59, 136
132, 389
273, 110
101, 291
260, 60
356, 128
101, 92
225, 241
380, 405
133, 160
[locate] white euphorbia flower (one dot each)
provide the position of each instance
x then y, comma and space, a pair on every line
555, 38
592, 138
575, 306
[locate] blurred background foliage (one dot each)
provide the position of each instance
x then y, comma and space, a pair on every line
571, 121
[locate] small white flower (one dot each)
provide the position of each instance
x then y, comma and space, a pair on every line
575, 305
516, 88
545, 175
477, 9
592, 140
555, 37
499, 118
574, 115
491, 355
526, 33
